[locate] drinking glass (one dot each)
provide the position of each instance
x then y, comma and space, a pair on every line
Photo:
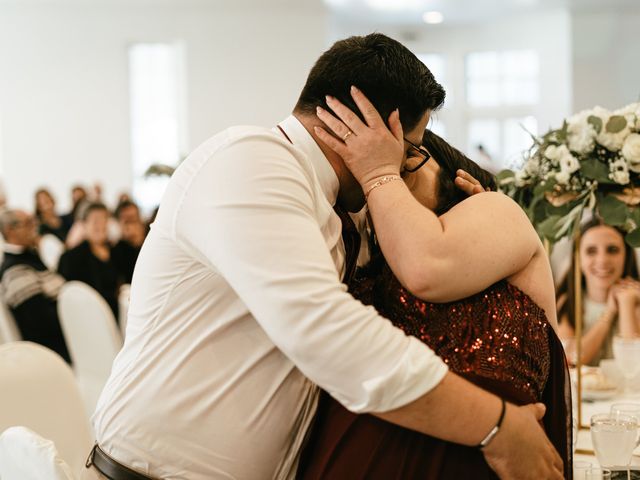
614, 438
597, 474
629, 409
580, 468
626, 352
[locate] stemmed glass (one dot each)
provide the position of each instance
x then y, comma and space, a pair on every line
597, 474
626, 352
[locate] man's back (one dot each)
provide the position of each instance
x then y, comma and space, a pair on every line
198, 378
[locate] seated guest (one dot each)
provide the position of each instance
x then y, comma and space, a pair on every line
28, 288
78, 199
49, 221
133, 231
91, 261
610, 293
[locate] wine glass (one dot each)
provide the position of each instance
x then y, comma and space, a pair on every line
580, 468
626, 352
597, 474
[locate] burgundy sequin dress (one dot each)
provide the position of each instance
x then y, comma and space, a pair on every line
498, 339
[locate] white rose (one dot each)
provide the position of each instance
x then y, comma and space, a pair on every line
581, 137
568, 163
551, 152
619, 171
563, 177
631, 151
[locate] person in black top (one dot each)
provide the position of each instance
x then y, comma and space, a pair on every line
28, 288
91, 262
49, 221
133, 232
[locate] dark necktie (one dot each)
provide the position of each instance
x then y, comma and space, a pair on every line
351, 238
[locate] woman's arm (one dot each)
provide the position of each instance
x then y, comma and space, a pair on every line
627, 297
592, 340
480, 241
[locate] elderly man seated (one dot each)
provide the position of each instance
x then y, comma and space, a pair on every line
27, 287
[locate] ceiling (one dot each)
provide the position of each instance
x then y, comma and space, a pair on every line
409, 12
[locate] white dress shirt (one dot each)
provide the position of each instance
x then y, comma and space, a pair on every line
238, 312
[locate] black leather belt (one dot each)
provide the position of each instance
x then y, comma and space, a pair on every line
110, 468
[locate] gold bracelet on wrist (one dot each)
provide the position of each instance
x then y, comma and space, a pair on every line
381, 181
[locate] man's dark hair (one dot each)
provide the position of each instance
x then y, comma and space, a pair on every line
92, 207
383, 69
122, 205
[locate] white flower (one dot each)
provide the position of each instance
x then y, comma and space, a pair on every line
563, 177
631, 151
521, 178
632, 113
619, 171
568, 163
532, 166
580, 133
551, 152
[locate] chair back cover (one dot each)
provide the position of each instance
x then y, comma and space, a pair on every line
92, 336
25, 455
39, 391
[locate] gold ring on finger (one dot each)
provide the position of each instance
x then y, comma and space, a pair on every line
346, 135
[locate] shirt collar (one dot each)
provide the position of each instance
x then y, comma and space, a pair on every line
303, 141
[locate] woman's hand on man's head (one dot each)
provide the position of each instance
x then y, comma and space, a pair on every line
468, 184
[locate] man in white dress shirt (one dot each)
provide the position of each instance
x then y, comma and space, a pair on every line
238, 313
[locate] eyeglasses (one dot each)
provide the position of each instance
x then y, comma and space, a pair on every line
414, 164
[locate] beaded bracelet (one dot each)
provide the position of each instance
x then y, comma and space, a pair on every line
381, 181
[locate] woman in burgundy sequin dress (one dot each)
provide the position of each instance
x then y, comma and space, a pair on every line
470, 278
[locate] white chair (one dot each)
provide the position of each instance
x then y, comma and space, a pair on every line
50, 249
40, 392
25, 455
92, 336
9, 331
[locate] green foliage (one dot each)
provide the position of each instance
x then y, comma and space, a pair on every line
616, 124
596, 122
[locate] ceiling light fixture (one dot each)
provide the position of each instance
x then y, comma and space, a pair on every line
432, 17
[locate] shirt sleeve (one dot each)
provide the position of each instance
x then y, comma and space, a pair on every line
249, 213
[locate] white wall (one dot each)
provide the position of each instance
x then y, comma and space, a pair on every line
64, 109
606, 60
548, 32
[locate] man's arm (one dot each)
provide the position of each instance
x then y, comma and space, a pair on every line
460, 412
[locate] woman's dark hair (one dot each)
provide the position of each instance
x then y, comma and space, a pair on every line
383, 69
450, 160
38, 192
566, 289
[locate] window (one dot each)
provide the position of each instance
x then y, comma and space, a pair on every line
502, 78
158, 124
502, 90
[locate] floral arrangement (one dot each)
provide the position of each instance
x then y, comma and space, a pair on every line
592, 162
